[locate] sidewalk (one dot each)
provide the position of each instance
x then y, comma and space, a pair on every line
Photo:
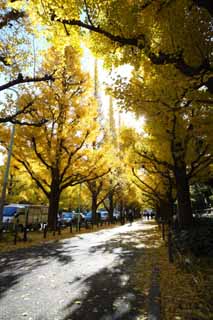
107, 275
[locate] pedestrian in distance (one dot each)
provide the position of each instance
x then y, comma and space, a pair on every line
130, 217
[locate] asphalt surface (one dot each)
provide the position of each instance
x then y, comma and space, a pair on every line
82, 278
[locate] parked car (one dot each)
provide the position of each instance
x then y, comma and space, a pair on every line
116, 215
88, 216
66, 218
104, 215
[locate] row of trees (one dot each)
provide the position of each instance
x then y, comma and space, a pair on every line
176, 150
58, 140
169, 44
68, 148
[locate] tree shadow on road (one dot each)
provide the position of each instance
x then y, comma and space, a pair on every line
15, 265
110, 293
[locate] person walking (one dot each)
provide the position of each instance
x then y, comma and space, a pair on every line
130, 217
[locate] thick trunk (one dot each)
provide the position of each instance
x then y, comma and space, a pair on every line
94, 208
111, 206
165, 210
183, 197
121, 212
53, 207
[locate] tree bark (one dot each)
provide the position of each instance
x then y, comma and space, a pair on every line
165, 210
53, 205
185, 217
111, 206
178, 148
94, 208
121, 212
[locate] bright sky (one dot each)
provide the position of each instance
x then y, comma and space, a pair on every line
126, 118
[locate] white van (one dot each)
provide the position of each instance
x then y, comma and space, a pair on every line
25, 215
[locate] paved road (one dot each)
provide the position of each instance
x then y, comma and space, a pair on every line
82, 278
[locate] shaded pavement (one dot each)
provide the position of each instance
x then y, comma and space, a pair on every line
88, 277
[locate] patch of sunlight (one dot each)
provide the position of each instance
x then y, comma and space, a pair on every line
142, 317
127, 236
124, 278
122, 305
124, 241
139, 246
117, 250
155, 244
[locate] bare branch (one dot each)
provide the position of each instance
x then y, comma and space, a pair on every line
20, 79
39, 155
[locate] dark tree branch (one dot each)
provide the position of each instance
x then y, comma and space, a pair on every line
87, 13
33, 176
20, 79
39, 155
30, 124
146, 193
141, 42
103, 198
73, 181
26, 110
99, 30
202, 159
10, 16
202, 165
153, 159
71, 155
145, 184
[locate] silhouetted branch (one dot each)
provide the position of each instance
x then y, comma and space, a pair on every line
20, 79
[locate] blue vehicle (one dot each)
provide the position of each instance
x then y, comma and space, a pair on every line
103, 214
88, 216
66, 218
116, 215
11, 211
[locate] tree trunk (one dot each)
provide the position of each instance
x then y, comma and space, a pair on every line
94, 208
121, 212
53, 206
178, 149
111, 206
165, 210
185, 217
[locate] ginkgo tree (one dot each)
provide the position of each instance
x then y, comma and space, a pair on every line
135, 172
99, 188
174, 33
102, 189
60, 154
178, 118
21, 188
154, 179
163, 39
15, 48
